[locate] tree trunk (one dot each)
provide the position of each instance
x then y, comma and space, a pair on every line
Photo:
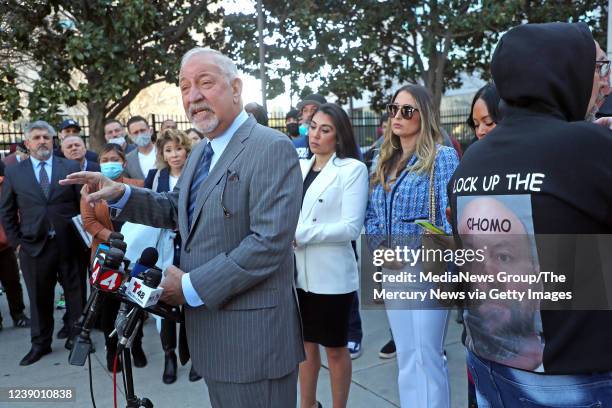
433, 78
431, 81
438, 84
96, 118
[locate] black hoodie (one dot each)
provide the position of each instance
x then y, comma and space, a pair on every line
554, 176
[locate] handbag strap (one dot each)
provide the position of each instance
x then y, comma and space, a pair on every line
156, 181
432, 193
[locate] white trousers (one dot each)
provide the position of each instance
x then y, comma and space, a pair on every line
423, 373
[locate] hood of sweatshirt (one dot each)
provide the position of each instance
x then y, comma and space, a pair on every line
547, 68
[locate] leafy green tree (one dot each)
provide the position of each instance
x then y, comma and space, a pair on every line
101, 53
288, 54
371, 45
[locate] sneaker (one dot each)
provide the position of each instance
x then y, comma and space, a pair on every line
354, 349
61, 303
388, 350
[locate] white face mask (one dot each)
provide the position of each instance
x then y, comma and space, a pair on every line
118, 140
143, 139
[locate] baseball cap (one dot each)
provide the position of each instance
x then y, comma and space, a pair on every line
69, 123
312, 99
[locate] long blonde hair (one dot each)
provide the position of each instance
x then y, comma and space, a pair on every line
425, 148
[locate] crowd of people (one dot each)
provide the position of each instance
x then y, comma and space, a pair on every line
40, 223
264, 228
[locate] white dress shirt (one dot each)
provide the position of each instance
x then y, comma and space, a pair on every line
147, 161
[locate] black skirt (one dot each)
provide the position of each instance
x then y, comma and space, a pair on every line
325, 318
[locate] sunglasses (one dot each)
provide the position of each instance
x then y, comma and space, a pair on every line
603, 67
407, 111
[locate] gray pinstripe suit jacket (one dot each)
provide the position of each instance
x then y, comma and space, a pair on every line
239, 255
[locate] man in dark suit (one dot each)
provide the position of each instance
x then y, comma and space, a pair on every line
70, 127
73, 148
36, 212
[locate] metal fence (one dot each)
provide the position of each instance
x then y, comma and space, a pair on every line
365, 126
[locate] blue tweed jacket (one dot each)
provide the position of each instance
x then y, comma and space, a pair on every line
390, 215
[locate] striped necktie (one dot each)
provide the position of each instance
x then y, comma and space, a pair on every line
198, 179
44, 179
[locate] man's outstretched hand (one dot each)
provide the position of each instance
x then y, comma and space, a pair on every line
96, 186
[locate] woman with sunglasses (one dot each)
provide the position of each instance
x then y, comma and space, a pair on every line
401, 192
334, 199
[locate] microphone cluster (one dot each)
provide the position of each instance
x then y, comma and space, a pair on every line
137, 289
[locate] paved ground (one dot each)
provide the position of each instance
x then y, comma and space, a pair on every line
374, 380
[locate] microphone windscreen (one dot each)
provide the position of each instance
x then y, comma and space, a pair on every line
116, 235
113, 259
152, 278
117, 243
149, 257
147, 260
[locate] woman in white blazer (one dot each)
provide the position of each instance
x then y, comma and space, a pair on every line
334, 201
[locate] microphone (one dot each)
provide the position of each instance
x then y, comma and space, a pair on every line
147, 260
115, 240
106, 278
118, 243
144, 293
133, 290
114, 237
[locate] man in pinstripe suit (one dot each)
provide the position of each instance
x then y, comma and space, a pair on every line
236, 206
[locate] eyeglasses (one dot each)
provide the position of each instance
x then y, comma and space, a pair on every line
407, 111
603, 67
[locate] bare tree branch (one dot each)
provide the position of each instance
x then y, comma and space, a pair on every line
115, 108
171, 35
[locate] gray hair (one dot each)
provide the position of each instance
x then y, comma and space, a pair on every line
227, 66
39, 124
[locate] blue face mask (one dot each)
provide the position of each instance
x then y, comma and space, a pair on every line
303, 129
112, 170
